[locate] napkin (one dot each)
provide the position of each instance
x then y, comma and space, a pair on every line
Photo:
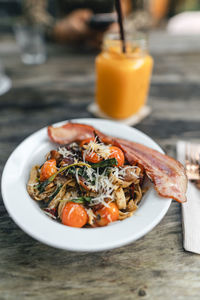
134, 119
190, 211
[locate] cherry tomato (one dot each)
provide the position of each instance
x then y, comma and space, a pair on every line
92, 157
48, 169
106, 214
117, 153
74, 215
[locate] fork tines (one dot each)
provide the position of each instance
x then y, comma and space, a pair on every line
192, 161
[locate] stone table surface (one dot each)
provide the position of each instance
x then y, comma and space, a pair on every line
154, 267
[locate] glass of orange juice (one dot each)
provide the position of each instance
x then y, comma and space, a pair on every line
122, 79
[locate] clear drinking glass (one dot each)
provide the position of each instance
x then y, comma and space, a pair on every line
30, 39
5, 81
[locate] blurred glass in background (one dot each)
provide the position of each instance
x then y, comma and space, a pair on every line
30, 39
5, 82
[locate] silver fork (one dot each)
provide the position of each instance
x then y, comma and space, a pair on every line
192, 161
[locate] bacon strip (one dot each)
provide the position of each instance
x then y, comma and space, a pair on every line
167, 174
71, 132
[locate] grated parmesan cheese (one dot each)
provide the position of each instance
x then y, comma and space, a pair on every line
76, 174
65, 152
121, 172
103, 186
101, 149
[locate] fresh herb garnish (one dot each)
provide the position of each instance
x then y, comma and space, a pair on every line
41, 187
81, 200
55, 193
67, 167
73, 170
110, 162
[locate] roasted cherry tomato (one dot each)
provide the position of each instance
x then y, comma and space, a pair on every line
92, 157
74, 215
117, 153
48, 169
106, 214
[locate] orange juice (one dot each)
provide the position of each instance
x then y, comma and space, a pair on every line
122, 78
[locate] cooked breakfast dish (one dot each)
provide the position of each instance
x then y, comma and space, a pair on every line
92, 179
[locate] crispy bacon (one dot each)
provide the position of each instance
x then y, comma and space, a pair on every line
167, 174
72, 132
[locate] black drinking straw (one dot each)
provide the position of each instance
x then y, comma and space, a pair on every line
120, 22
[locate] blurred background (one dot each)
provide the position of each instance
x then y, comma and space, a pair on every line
46, 46
142, 14
147, 13
84, 22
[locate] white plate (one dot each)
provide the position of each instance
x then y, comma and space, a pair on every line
27, 214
